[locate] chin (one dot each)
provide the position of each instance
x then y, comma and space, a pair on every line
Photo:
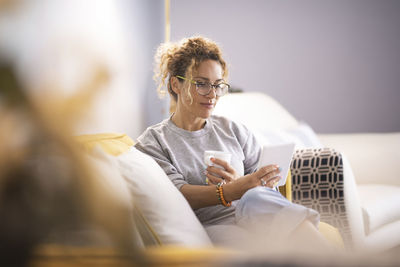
205, 113
208, 114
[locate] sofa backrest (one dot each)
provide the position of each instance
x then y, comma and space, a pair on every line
258, 111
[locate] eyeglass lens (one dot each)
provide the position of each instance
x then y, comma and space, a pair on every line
205, 88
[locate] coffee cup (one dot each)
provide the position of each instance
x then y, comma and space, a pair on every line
208, 154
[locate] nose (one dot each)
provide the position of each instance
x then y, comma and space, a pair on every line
213, 93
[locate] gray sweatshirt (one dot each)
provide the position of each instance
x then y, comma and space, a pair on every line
180, 155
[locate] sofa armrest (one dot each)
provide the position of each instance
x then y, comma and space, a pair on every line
318, 183
374, 158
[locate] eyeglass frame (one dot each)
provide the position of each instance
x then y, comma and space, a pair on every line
211, 86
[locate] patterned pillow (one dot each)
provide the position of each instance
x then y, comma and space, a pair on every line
317, 183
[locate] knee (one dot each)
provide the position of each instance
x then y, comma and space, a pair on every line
252, 195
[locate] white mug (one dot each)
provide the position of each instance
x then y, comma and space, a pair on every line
208, 154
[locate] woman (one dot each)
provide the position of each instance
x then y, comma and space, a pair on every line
195, 74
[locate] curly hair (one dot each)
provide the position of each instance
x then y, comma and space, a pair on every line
182, 58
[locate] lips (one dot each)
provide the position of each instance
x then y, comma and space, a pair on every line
208, 105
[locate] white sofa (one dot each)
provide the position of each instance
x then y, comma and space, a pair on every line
371, 186
374, 160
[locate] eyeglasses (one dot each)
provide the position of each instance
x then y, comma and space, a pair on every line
204, 88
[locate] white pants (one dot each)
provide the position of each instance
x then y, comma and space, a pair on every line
266, 211
263, 218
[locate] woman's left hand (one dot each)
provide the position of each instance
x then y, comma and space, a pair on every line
217, 175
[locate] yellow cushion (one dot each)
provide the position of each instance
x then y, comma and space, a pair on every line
332, 234
286, 189
172, 255
112, 143
64, 255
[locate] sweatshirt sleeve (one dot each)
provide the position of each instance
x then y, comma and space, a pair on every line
152, 144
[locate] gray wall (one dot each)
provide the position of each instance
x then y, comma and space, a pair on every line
333, 64
147, 25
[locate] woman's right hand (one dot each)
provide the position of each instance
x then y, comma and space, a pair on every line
267, 176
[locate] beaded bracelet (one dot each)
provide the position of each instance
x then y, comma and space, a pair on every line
220, 195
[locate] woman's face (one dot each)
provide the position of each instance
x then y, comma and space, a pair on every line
209, 71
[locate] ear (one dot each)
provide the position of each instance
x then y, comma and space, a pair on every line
175, 85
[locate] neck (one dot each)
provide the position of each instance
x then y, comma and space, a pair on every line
191, 125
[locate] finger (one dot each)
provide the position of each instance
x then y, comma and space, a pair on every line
214, 179
269, 175
271, 183
223, 164
209, 183
265, 170
219, 172
274, 181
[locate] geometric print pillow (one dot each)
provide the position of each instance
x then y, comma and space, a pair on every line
317, 183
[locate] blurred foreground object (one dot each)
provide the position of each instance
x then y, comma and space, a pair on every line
48, 190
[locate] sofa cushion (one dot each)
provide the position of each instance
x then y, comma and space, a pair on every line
164, 207
161, 212
380, 205
383, 238
112, 143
